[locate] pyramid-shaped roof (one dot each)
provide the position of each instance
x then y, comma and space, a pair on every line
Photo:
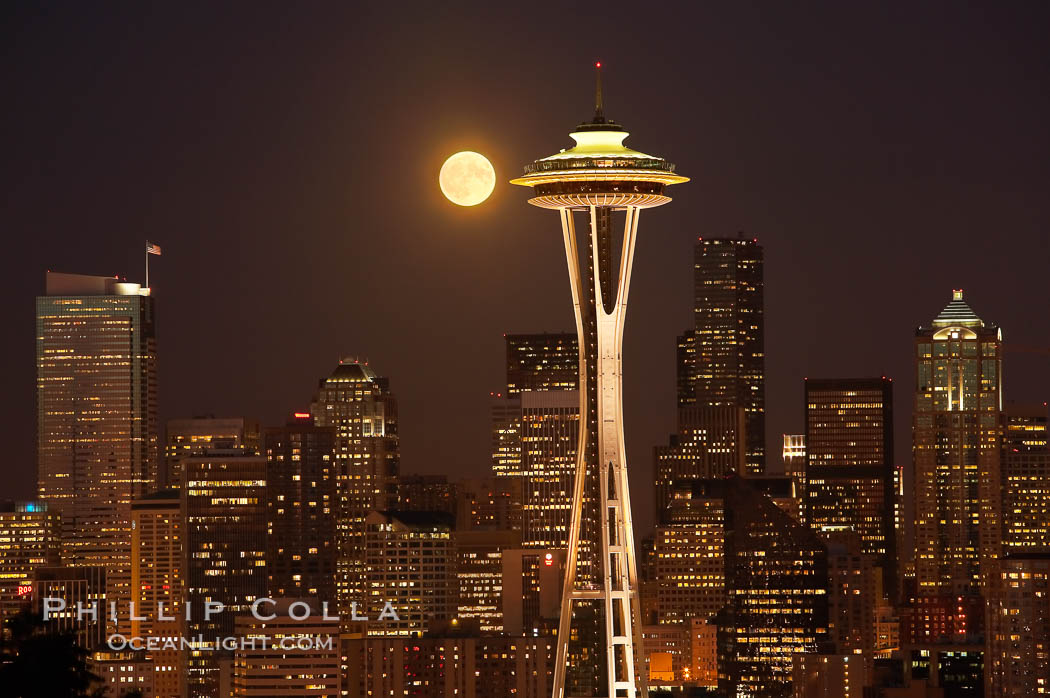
957, 312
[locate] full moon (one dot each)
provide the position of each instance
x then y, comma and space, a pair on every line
467, 178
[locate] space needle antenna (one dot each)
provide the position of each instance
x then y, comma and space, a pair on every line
599, 111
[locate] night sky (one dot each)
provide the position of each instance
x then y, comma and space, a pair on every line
285, 156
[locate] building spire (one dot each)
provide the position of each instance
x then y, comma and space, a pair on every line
599, 111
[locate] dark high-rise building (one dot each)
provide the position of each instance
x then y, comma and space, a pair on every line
427, 493
776, 589
96, 361
722, 360
196, 436
1019, 627
1026, 479
849, 463
956, 431
301, 506
492, 503
710, 443
224, 553
549, 361
360, 406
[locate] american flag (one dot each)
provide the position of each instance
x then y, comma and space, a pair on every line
152, 248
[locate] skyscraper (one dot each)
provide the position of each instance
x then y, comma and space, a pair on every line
224, 553
301, 509
849, 463
550, 432
1026, 479
1019, 627
410, 561
776, 586
722, 360
547, 361
710, 443
156, 579
96, 361
958, 399
363, 411
29, 539
688, 563
598, 176
196, 436
479, 572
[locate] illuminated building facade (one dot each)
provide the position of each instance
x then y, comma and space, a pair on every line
849, 463
688, 560
1019, 627
295, 653
410, 562
958, 399
831, 676
224, 509
197, 436
462, 666
548, 361
550, 432
361, 407
96, 361
722, 361
703, 656
300, 489
157, 578
1026, 479
793, 455
776, 584
505, 413
666, 650
29, 539
480, 575
125, 672
711, 442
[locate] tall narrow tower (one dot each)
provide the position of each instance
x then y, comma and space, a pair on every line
600, 609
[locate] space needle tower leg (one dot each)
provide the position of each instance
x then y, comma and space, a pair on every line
615, 577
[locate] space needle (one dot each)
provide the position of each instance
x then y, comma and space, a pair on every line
600, 177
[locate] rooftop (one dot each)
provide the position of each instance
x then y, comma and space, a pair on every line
957, 312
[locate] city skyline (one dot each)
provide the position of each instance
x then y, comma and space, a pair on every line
810, 459
915, 181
